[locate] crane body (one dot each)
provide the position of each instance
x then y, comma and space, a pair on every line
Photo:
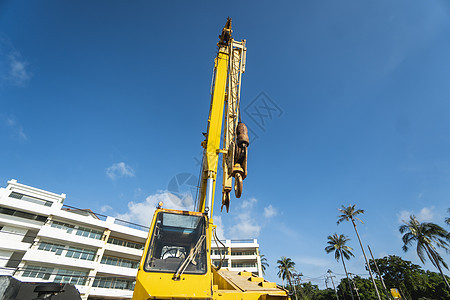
176, 263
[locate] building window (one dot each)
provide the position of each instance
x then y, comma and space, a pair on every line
67, 227
243, 252
22, 214
243, 265
37, 272
29, 236
120, 262
224, 263
80, 253
113, 283
70, 276
220, 252
124, 243
15, 260
51, 247
91, 233
30, 199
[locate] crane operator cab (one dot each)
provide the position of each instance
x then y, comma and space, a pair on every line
178, 245
176, 251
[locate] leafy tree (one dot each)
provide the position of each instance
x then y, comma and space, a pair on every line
309, 291
326, 294
401, 274
410, 279
337, 243
349, 213
435, 286
285, 268
264, 263
364, 286
426, 234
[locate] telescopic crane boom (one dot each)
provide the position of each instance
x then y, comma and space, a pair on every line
176, 263
228, 68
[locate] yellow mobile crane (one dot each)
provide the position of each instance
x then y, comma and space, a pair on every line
176, 263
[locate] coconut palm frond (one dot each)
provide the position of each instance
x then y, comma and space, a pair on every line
429, 237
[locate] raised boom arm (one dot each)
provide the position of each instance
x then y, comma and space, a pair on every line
228, 68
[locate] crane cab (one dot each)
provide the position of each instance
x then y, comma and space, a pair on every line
175, 262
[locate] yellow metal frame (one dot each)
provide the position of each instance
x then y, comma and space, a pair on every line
214, 284
213, 137
151, 285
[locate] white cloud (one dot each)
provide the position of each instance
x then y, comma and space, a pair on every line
105, 208
403, 216
246, 229
142, 212
219, 228
248, 203
270, 211
246, 226
426, 214
18, 73
119, 169
14, 70
15, 128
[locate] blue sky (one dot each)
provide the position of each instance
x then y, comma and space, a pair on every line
106, 101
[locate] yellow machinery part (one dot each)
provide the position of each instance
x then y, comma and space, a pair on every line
214, 126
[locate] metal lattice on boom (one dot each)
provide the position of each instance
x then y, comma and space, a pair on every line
228, 69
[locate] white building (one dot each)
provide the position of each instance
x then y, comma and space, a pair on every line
43, 240
238, 255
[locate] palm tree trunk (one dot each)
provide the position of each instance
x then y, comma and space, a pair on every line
346, 274
367, 262
290, 282
436, 263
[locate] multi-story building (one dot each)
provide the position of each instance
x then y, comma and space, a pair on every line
42, 239
237, 255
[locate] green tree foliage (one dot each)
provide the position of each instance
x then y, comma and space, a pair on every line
427, 236
364, 286
337, 243
400, 274
350, 213
410, 279
309, 291
264, 263
285, 268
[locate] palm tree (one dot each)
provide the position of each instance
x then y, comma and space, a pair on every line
447, 220
336, 243
285, 268
426, 234
349, 214
264, 263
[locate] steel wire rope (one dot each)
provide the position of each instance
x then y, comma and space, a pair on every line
220, 252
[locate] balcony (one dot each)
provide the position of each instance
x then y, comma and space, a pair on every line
110, 293
116, 270
27, 206
53, 234
136, 253
13, 245
20, 222
244, 257
48, 257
